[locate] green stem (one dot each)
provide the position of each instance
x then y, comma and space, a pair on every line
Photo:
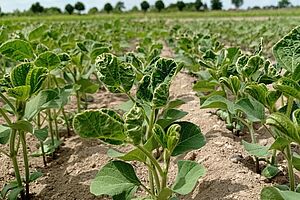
8, 121
151, 124
152, 159
155, 175
167, 163
147, 190
288, 155
41, 142
78, 102
151, 182
289, 106
66, 120
26, 163
50, 126
13, 156
8, 102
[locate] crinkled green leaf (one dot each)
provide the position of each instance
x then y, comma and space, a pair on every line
17, 49
288, 87
19, 73
114, 178
103, 124
48, 60
134, 120
35, 78
285, 126
117, 76
287, 50
188, 174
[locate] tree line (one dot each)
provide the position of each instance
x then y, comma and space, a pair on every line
145, 6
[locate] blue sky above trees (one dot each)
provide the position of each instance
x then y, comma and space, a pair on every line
11, 5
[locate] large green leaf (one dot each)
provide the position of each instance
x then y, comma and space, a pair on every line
191, 138
37, 33
220, 102
253, 109
272, 193
285, 126
47, 60
43, 100
103, 124
188, 174
287, 50
288, 87
17, 49
114, 178
117, 76
256, 149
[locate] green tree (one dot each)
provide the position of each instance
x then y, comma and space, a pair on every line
36, 8
284, 3
198, 5
79, 6
180, 5
53, 10
159, 5
108, 7
237, 3
69, 8
119, 6
216, 5
145, 6
93, 11
134, 9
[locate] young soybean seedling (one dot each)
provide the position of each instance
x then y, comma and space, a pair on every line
24, 81
140, 127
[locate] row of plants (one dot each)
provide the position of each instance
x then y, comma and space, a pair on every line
248, 91
44, 66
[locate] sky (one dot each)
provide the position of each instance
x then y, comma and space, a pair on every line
11, 5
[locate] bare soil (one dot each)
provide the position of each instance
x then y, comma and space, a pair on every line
230, 170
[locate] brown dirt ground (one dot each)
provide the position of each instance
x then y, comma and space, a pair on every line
78, 160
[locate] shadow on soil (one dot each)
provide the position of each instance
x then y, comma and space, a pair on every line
58, 183
220, 188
